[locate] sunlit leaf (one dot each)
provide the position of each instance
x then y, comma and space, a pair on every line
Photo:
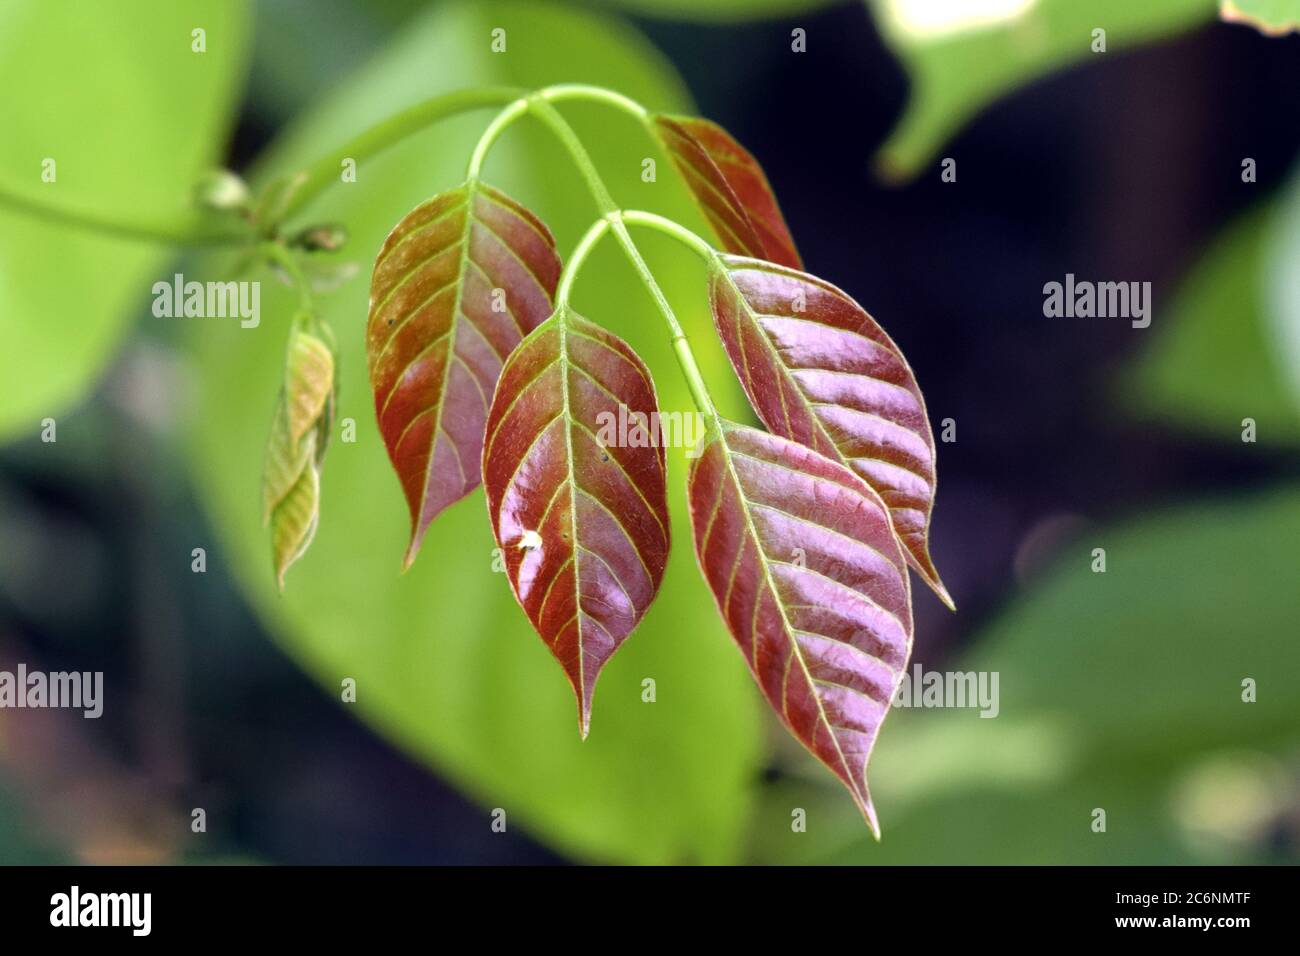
819, 370
730, 187
458, 283
581, 518
1271, 17
803, 562
962, 55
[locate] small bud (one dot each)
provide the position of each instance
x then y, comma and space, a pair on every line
328, 237
222, 190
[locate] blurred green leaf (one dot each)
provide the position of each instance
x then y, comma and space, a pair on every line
715, 10
1227, 348
445, 662
21, 843
130, 115
1282, 294
1273, 17
960, 57
1147, 659
1113, 688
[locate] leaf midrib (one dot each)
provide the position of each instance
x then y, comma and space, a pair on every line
795, 650
470, 192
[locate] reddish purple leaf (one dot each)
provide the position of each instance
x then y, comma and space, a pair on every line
819, 370
458, 284
583, 526
730, 187
809, 577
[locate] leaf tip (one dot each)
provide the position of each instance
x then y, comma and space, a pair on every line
412, 550
923, 564
869, 814
942, 593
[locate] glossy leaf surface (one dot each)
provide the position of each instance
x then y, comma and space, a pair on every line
458, 283
582, 522
299, 434
819, 370
809, 577
730, 187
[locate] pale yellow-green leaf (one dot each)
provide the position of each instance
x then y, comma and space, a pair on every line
308, 380
285, 460
293, 522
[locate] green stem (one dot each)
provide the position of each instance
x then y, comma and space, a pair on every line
494, 129
140, 230
549, 115
681, 344
314, 179
570, 272
612, 218
598, 94
325, 171
274, 252
698, 245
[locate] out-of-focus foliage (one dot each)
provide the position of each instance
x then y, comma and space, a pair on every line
1119, 690
960, 55
1273, 17
716, 10
1282, 291
1228, 347
20, 843
130, 115
443, 658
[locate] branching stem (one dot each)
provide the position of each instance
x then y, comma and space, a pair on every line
539, 105
326, 170
315, 178
279, 255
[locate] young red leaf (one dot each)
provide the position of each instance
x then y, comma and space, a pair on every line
819, 370
812, 584
583, 525
730, 187
457, 285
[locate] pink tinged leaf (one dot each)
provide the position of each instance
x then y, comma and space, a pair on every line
819, 370
582, 523
812, 584
457, 285
730, 187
